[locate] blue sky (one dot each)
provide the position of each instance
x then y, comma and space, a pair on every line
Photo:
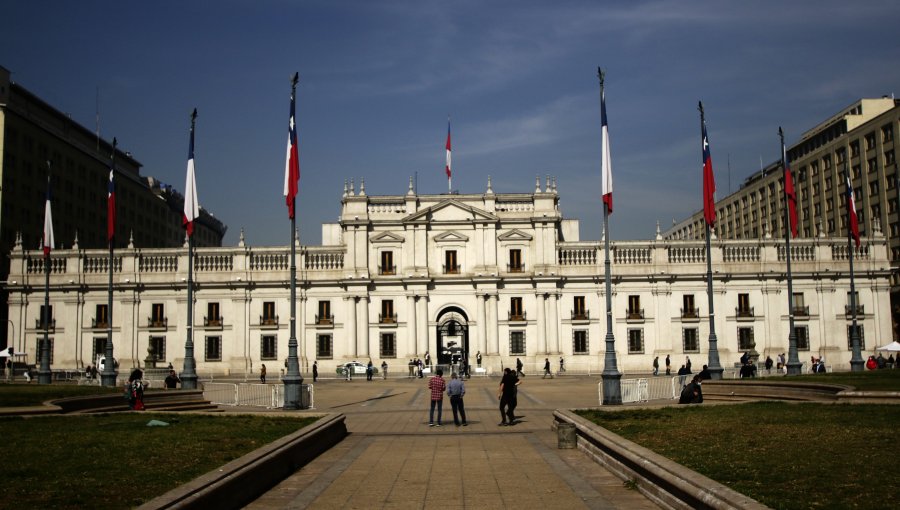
379, 78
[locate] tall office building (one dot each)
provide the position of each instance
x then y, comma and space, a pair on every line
858, 139
33, 133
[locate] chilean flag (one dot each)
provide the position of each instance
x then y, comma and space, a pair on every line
47, 242
191, 204
851, 212
606, 162
447, 168
790, 192
292, 163
709, 182
111, 200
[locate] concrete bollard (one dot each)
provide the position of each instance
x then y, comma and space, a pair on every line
566, 435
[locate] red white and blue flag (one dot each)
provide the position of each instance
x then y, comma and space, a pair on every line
448, 166
709, 182
790, 193
292, 164
605, 161
851, 212
111, 200
47, 242
191, 204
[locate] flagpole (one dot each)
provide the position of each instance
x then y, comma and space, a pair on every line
612, 378
793, 362
189, 375
293, 380
856, 361
715, 368
108, 375
45, 376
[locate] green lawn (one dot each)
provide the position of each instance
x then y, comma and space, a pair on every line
784, 455
869, 380
16, 395
116, 460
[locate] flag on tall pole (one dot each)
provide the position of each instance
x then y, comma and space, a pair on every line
111, 199
790, 192
605, 161
292, 160
191, 204
709, 179
47, 242
448, 167
851, 212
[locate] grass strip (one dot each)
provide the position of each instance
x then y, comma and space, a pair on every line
116, 460
23, 395
783, 455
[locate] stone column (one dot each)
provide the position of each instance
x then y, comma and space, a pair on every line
493, 325
422, 320
351, 327
301, 335
481, 337
553, 324
541, 323
363, 329
411, 327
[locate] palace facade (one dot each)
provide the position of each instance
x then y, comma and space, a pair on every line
505, 275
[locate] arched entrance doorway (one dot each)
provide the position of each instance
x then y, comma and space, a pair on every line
452, 335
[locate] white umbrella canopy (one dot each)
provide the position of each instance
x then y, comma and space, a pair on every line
892, 347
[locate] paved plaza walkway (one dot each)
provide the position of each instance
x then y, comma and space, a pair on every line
393, 459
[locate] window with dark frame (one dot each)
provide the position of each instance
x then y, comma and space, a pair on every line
688, 310
268, 312
324, 315
862, 337
388, 345
212, 315
580, 341
324, 347
387, 312
46, 316
268, 347
516, 343
634, 307
635, 341
515, 309
158, 343
802, 335
743, 308
387, 263
101, 316
745, 339
450, 262
691, 340
515, 260
99, 347
213, 348
579, 311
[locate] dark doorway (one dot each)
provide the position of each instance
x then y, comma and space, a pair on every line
452, 336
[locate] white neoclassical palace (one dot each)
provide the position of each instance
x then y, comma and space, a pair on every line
501, 274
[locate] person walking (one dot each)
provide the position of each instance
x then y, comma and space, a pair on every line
668, 365
562, 364
508, 396
687, 363
547, 369
262, 373
478, 358
437, 386
136, 390
384, 370
172, 380
315, 371
519, 368
369, 370
457, 390
656, 365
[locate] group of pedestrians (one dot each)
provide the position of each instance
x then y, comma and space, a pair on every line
456, 390
875, 363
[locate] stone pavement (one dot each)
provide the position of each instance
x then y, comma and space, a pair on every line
393, 459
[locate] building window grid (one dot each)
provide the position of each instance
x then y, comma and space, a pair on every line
324, 347
862, 337
636, 341
801, 333
516, 343
690, 340
213, 348
158, 343
388, 345
580, 341
745, 339
268, 347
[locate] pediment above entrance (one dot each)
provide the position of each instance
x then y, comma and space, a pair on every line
451, 211
450, 237
386, 237
514, 235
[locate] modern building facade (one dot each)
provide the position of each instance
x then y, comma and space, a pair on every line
400, 276
33, 133
858, 139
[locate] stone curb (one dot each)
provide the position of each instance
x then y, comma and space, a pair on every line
662, 480
243, 480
